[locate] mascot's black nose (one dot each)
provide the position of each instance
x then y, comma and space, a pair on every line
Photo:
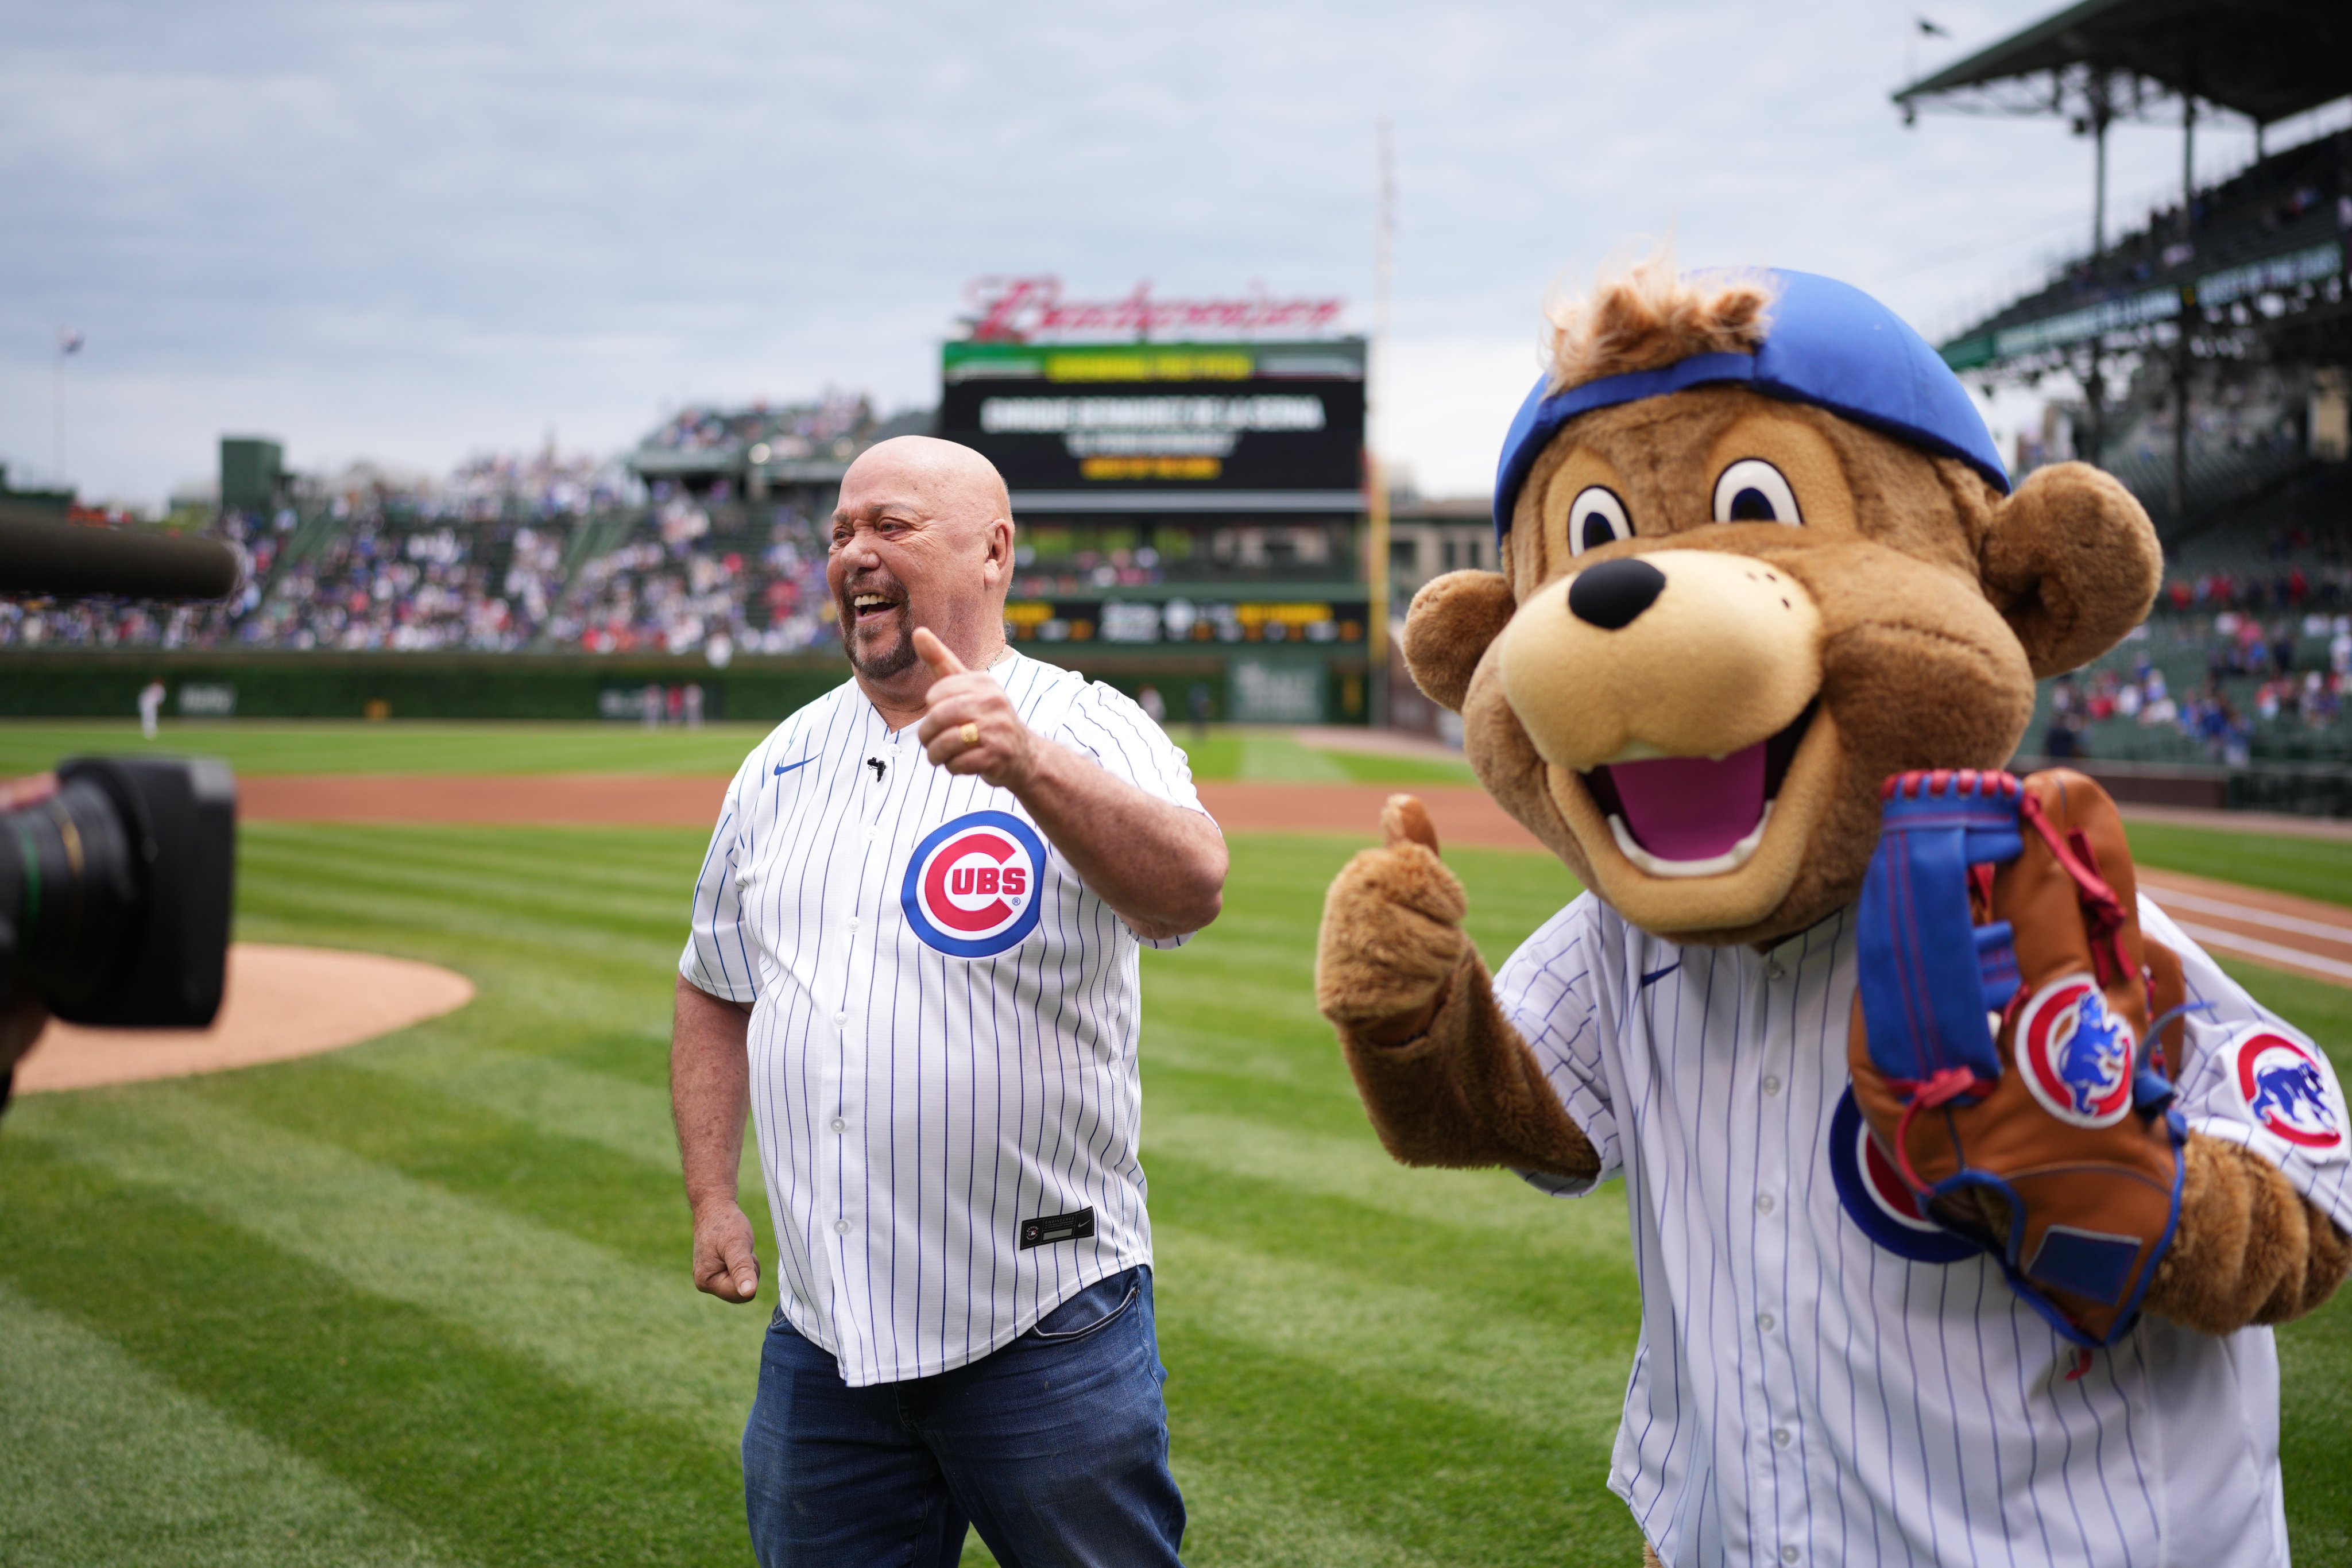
1614, 593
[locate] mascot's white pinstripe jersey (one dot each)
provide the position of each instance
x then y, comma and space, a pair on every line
1823, 1378
943, 1045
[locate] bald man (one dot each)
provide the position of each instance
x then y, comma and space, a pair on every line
914, 959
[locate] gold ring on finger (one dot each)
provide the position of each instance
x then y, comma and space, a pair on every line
971, 733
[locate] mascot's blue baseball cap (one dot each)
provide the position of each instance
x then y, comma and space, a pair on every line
1828, 344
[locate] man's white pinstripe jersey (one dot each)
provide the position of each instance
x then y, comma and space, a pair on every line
943, 1044
1819, 1379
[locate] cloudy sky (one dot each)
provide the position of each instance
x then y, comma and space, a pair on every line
412, 231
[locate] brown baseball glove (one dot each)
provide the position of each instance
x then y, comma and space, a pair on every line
2015, 1038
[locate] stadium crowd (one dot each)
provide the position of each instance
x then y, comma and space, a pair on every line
508, 553
835, 426
2234, 677
677, 589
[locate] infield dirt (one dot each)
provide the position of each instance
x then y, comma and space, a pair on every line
281, 1002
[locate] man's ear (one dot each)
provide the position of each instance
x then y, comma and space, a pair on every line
2071, 561
1446, 632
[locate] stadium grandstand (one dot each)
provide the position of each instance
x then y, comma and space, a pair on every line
666, 551
694, 561
2201, 356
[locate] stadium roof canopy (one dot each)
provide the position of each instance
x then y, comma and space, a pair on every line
2267, 60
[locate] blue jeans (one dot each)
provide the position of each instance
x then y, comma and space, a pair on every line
1055, 1448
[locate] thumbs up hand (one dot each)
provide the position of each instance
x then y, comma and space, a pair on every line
1392, 935
969, 723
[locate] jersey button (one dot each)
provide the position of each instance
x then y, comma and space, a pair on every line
1773, 971
839, 1125
851, 923
1765, 1322
1781, 1437
841, 1021
1788, 1555
1764, 1204
841, 1227
1771, 1086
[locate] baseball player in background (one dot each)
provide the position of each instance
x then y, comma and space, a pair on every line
914, 959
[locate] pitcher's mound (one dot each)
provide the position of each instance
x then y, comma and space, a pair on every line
281, 1002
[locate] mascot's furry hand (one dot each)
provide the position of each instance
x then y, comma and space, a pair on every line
1444, 1077
1391, 937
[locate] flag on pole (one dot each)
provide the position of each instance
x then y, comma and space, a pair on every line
1931, 30
70, 342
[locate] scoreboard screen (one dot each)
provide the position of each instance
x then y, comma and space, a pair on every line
1130, 416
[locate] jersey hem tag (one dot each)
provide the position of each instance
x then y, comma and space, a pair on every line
1046, 1229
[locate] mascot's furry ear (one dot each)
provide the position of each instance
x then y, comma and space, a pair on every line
2073, 563
1446, 632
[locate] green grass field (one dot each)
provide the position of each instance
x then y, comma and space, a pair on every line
338, 747
424, 1301
2309, 868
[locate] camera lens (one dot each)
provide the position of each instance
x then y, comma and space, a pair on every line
66, 876
115, 891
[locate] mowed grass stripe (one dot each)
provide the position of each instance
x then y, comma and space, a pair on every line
539, 747
453, 899
627, 1116
1438, 1479
1399, 1329
629, 863
617, 865
402, 746
477, 1447
104, 1460
1466, 1208
629, 1205
1235, 1511
635, 1334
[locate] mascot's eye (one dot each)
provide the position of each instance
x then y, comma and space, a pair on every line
1752, 491
1597, 517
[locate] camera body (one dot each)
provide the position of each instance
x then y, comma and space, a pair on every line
115, 891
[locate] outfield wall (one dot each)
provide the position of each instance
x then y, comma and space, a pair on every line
1272, 683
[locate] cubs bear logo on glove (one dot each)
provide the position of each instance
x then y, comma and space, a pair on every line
2010, 1038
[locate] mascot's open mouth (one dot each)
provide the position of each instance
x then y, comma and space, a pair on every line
1695, 816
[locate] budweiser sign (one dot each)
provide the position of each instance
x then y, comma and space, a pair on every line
1030, 309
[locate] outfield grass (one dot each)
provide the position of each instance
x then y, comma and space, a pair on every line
329, 746
338, 746
423, 1301
2310, 868
426, 1299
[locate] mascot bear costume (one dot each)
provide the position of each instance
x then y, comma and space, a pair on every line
1963, 1186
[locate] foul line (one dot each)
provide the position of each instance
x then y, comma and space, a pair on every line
2230, 942
2338, 933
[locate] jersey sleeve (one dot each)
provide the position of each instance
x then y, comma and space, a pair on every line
1106, 724
717, 955
1549, 989
2252, 1078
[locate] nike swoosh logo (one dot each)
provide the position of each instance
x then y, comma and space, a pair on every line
784, 768
1656, 974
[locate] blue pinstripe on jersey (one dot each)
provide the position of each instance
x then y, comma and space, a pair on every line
1800, 1394
971, 1093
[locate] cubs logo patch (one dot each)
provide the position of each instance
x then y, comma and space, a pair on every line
2289, 1089
1875, 1195
972, 885
2076, 1055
